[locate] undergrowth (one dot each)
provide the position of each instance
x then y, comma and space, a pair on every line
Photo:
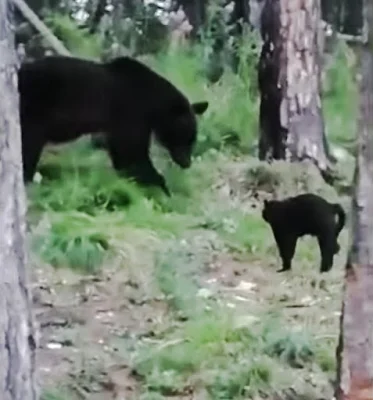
83, 216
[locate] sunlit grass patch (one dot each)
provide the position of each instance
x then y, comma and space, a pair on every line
54, 395
231, 119
97, 219
82, 241
72, 240
230, 360
202, 346
340, 97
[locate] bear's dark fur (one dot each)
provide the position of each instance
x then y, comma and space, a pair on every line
63, 98
305, 214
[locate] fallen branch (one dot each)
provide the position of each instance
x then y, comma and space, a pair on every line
39, 25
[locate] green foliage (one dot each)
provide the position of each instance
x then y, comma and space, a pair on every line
243, 379
141, 32
77, 40
86, 215
174, 276
74, 241
204, 343
325, 358
52, 395
231, 361
340, 96
231, 119
293, 348
89, 190
241, 233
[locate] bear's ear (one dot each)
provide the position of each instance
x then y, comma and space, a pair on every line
200, 107
266, 202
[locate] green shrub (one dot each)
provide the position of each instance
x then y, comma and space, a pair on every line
72, 241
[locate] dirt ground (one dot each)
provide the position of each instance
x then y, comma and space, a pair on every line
83, 319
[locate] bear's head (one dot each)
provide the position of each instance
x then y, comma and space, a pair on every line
177, 130
268, 210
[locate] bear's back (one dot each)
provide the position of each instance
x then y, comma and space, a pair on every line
125, 82
62, 81
146, 85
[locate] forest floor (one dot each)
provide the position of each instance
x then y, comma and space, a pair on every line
86, 321
138, 296
197, 313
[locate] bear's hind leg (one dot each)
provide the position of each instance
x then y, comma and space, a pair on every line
32, 147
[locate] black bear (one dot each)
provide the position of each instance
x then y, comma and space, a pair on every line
63, 98
305, 214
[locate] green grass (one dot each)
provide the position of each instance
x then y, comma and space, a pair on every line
85, 217
341, 98
231, 361
52, 395
77, 41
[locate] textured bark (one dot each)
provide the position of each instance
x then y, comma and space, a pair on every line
97, 15
195, 10
17, 344
239, 17
291, 119
355, 348
351, 18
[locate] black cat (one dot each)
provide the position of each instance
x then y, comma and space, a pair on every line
305, 214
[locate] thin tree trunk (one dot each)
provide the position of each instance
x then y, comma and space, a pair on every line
195, 11
17, 344
355, 348
97, 15
351, 20
239, 17
291, 119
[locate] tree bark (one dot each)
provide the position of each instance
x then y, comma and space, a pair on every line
355, 348
239, 17
97, 15
17, 344
291, 119
195, 10
351, 18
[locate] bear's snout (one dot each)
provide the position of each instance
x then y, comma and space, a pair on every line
181, 158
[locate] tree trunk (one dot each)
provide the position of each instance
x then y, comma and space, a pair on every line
355, 348
239, 17
291, 119
17, 349
97, 15
351, 18
195, 10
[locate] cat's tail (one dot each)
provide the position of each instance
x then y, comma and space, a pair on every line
338, 209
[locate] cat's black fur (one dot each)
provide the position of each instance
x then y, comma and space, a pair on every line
305, 214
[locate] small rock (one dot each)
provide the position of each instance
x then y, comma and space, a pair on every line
37, 177
54, 346
244, 285
245, 321
204, 293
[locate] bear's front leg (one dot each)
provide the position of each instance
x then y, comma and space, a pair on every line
142, 171
146, 174
130, 155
